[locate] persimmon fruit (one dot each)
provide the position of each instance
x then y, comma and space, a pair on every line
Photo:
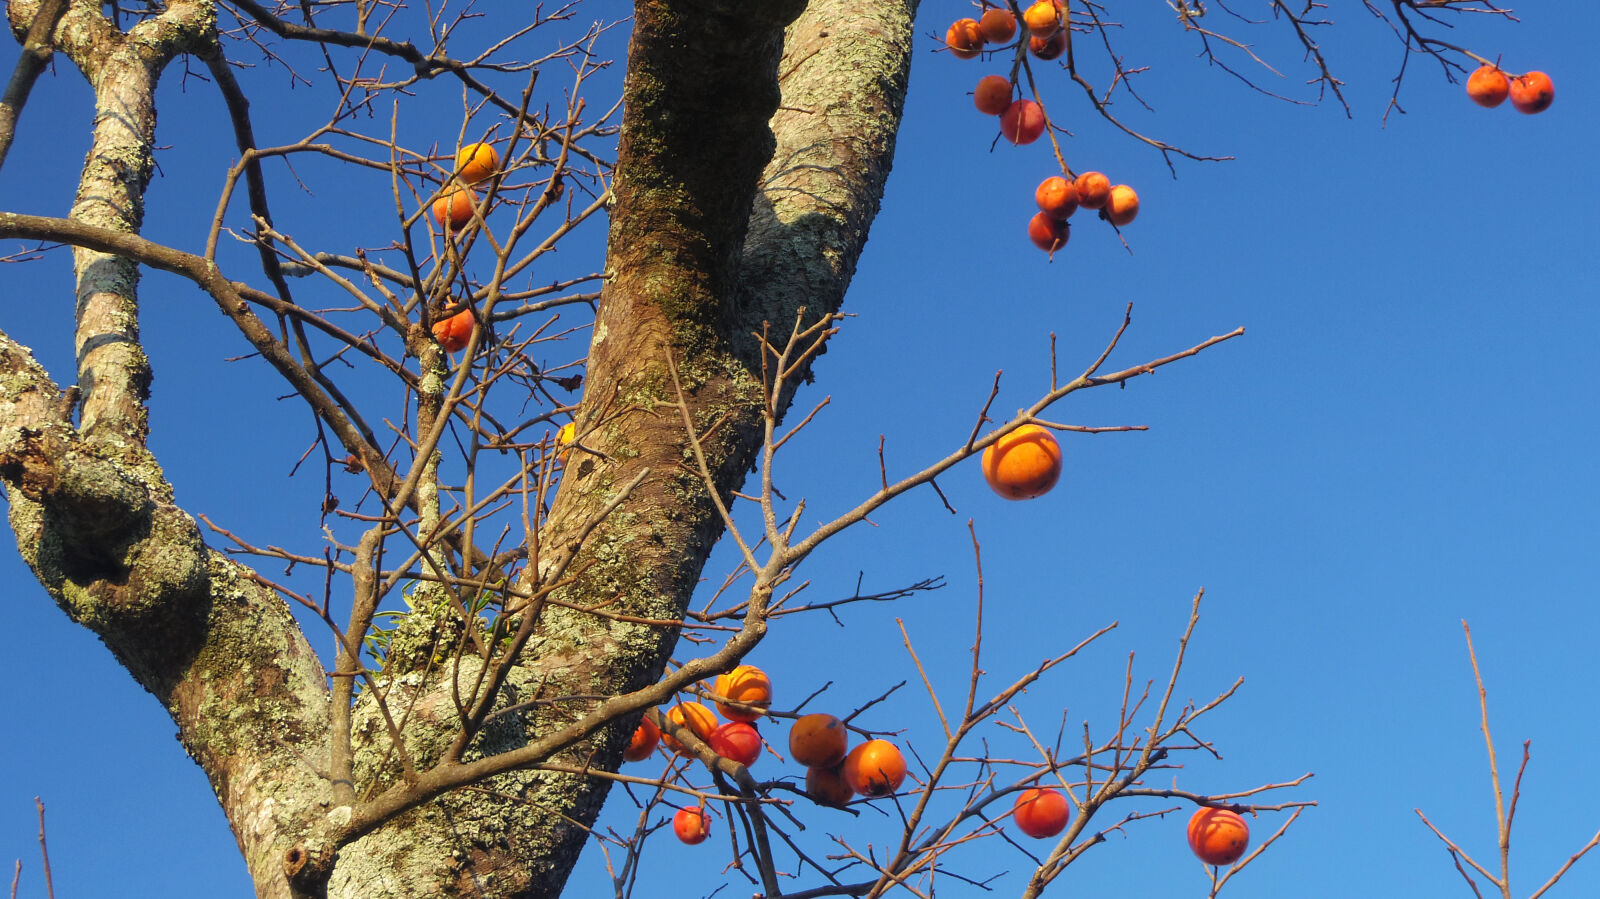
1057, 198
827, 785
700, 720
998, 25
643, 742
1022, 122
1024, 463
1533, 92
1094, 189
1488, 86
476, 162
1041, 812
1048, 48
691, 825
1043, 18
1122, 206
818, 740
454, 332
1047, 233
738, 741
1218, 836
748, 686
875, 768
965, 38
453, 209
992, 95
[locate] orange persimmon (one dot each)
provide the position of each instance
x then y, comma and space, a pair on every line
827, 785
476, 162
1057, 198
643, 742
1041, 813
992, 95
453, 209
1022, 122
1047, 233
965, 38
1024, 463
700, 720
1218, 836
875, 768
691, 825
747, 685
1488, 86
998, 25
1043, 18
1094, 189
818, 740
738, 741
454, 332
1048, 48
1533, 92
1122, 206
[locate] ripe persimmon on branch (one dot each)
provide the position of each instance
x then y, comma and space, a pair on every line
510, 529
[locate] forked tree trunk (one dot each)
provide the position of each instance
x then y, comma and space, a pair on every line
709, 238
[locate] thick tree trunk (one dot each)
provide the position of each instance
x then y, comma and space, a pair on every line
696, 173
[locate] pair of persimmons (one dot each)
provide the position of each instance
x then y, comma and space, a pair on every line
818, 741
1217, 836
1530, 93
474, 163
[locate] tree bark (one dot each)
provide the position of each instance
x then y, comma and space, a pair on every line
712, 234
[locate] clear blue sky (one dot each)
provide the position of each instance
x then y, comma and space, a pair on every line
1402, 440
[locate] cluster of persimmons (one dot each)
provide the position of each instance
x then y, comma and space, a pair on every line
1530, 93
1022, 121
453, 211
834, 773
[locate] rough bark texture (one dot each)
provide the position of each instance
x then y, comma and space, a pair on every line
712, 234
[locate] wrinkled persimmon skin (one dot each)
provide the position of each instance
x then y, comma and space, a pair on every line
1024, 463
1218, 836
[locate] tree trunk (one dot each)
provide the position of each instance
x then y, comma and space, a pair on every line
93, 511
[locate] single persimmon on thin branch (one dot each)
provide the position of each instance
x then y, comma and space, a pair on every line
1505, 812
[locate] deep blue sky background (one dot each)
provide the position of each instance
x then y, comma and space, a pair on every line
1402, 440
